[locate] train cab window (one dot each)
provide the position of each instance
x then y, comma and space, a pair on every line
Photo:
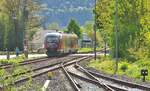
52, 38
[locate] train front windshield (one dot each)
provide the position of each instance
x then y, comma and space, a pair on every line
52, 39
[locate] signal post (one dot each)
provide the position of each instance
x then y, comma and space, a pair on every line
26, 48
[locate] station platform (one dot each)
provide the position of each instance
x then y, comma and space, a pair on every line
30, 56
89, 54
44, 55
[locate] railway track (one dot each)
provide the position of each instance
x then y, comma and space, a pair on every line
35, 63
26, 62
54, 62
4, 66
74, 83
45, 69
116, 84
88, 78
37, 71
36, 60
102, 81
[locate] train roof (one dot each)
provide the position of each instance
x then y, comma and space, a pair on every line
59, 34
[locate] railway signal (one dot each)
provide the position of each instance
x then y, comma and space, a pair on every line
26, 48
144, 72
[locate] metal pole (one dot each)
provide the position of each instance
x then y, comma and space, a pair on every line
105, 48
25, 16
15, 33
143, 79
116, 37
15, 27
7, 54
95, 34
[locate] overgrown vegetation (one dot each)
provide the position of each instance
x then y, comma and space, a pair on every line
16, 70
88, 49
126, 68
133, 26
133, 35
15, 60
85, 49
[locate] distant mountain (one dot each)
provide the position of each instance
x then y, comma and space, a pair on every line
61, 11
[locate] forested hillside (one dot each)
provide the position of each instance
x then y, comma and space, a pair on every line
61, 11
22, 16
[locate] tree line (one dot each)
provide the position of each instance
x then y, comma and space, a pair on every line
133, 26
16, 17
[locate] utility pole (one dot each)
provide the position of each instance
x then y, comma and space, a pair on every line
25, 17
15, 27
95, 33
116, 37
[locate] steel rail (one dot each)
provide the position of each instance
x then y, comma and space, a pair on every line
43, 71
95, 82
129, 84
102, 51
24, 62
36, 69
70, 79
122, 82
105, 86
30, 61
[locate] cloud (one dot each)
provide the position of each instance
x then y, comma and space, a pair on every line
71, 9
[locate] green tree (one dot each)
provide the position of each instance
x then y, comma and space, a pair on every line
17, 16
73, 27
133, 24
88, 29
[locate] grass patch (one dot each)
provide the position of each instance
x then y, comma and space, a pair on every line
15, 70
87, 49
125, 67
13, 60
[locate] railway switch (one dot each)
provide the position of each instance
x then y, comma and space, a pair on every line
144, 72
77, 84
76, 66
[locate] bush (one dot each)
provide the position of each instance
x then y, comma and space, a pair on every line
145, 63
85, 49
107, 66
124, 66
133, 71
13, 60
